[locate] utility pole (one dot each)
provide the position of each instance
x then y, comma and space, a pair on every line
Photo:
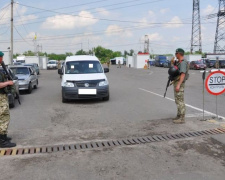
196, 40
11, 56
146, 45
219, 45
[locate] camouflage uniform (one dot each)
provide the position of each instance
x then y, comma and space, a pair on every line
179, 96
4, 109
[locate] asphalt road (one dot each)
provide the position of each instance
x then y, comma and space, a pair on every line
136, 108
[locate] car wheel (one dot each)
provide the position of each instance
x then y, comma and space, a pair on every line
105, 98
64, 100
30, 88
35, 86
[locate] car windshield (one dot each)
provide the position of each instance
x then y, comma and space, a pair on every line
212, 61
20, 70
83, 67
198, 62
222, 61
51, 62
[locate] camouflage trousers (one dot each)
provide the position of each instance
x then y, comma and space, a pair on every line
4, 113
179, 99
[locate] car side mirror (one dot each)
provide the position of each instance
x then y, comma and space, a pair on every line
15, 78
60, 71
106, 70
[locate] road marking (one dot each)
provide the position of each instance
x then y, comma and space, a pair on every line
187, 105
196, 115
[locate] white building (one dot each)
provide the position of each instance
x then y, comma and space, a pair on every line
130, 61
193, 57
6, 57
140, 60
40, 60
215, 56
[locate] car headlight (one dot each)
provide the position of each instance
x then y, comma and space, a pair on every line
68, 84
104, 83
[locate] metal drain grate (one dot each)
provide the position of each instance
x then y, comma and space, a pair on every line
108, 144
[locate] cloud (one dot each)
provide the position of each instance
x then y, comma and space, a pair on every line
208, 10
151, 13
164, 11
152, 37
19, 15
69, 22
155, 37
174, 23
113, 30
103, 12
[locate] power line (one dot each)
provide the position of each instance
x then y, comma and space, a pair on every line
102, 19
22, 36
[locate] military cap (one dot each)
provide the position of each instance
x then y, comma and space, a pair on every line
179, 50
1, 54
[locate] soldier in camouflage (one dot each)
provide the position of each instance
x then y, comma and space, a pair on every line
4, 110
179, 86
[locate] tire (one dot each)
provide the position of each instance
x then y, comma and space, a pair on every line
64, 100
105, 98
35, 86
30, 88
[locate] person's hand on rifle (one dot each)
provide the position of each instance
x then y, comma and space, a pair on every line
10, 83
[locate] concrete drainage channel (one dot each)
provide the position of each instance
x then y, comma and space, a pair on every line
108, 144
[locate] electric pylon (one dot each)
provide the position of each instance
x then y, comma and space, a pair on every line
146, 46
219, 45
196, 40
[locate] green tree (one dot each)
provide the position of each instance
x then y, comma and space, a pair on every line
81, 52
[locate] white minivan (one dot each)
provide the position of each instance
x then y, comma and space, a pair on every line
83, 77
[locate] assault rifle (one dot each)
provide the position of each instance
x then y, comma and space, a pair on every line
168, 84
170, 81
10, 78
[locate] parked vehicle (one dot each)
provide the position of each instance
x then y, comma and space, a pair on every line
84, 78
167, 64
152, 62
35, 66
17, 63
52, 64
14, 95
28, 79
160, 60
210, 63
222, 63
197, 65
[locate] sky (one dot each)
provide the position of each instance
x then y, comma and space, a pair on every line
71, 25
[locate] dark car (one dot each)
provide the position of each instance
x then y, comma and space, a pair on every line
160, 60
14, 95
167, 64
210, 63
197, 65
222, 63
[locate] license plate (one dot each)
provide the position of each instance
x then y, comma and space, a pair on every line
87, 91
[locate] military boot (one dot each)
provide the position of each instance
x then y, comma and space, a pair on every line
4, 143
181, 120
7, 137
176, 118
